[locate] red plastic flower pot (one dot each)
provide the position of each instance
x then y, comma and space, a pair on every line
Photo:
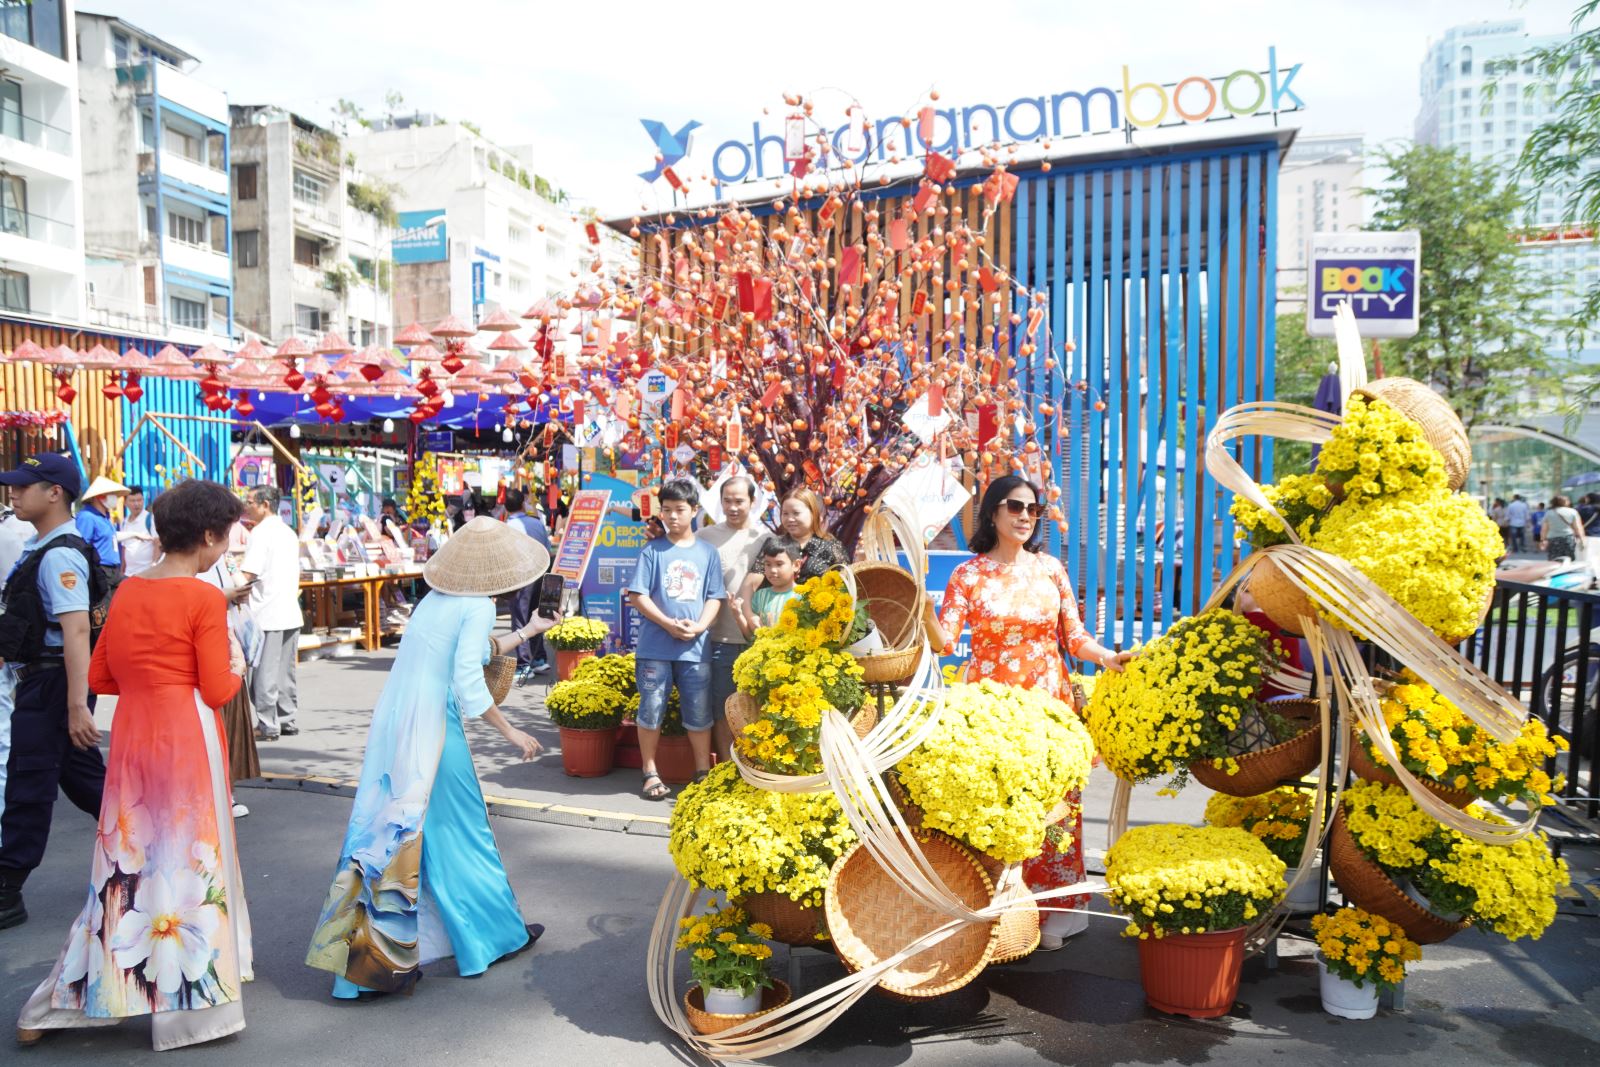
675, 760
587, 753
628, 754
567, 660
1192, 974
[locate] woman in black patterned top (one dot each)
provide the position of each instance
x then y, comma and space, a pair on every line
801, 523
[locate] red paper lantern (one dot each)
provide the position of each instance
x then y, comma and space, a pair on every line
417, 415
371, 371
294, 380
243, 405
66, 393
133, 392
111, 390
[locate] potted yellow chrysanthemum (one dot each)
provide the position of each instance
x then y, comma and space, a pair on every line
1358, 955
575, 640
587, 712
728, 958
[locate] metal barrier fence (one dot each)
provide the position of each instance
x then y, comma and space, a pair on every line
1540, 644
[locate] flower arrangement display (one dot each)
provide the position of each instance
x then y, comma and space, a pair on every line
1172, 879
614, 672
797, 672
424, 501
729, 836
1380, 499
998, 761
727, 950
1436, 741
1507, 889
577, 634
1360, 947
1181, 697
584, 705
1278, 819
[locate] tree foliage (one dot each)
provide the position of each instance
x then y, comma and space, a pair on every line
1480, 340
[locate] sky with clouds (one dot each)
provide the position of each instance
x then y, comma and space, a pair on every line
574, 79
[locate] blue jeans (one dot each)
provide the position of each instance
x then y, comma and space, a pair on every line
722, 687
655, 679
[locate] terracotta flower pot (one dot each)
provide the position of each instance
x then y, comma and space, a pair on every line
1192, 974
588, 753
628, 754
675, 760
567, 660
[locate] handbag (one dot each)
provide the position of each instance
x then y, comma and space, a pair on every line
252, 639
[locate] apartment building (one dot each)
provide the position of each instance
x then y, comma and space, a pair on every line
41, 197
1319, 191
312, 234
157, 227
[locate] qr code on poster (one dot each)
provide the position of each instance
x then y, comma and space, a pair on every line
608, 575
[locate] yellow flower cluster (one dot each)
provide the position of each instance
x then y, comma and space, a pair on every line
999, 759
1377, 451
577, 634
1278, 819
822, 605
1173, 879
797, 675
1507, 889
424, 501
1437, 741
615, 671
581, 704
1178, 700
731, 837
726, 950
1360, 947
1298, 498
1433, 551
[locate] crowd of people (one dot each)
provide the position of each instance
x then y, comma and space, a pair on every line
1558, 529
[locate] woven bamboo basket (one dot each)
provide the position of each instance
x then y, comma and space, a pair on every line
894, 600
1264, 770
1364, 766
498, 674
1282, 600
1440, 424
792, 923
742, 710
705, 1022
1365, 885
1018, 935
871, 918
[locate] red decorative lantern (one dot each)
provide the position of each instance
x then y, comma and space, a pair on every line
133, 392
243, 405
113, 387
294, 380
66, 393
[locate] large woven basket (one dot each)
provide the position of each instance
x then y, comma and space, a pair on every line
742, 710
1264, 770
1440, 424
1365, 885
792, 923
1282, 600
498, 674
872, 918
1018, 935
894, 601
1364, 766
705, 1022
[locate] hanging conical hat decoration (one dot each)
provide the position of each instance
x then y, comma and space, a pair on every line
508, 342
60, 356
333, 345
98, 358
134, 361
486, 557
171, 363
415, 334
499, 321
27, 352
292, 348
211, 354
253, 349
451, 327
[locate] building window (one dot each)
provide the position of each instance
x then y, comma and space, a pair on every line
308, 189
307, 319
10, 108
152, 228
1488, 127
1466, 60
188, 313
119, 48
186, 230
35, 22
216, 152
247, 248
187, 145
517, 235
14, 291
244, 181
14, 204
307, 251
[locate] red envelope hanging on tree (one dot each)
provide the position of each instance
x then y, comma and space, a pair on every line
593, 232
672, 178
899, 234
988, 423
938, 168
924, 199
850, 266
1000, 188
762, 299
987, 280
770, 397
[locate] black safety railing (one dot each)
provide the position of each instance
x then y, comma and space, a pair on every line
1541, 645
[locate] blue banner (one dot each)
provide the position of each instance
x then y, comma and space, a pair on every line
616, 553
417, 242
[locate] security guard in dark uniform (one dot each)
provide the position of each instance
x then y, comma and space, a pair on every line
45, 641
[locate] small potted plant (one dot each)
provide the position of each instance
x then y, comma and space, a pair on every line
1279, 819
1359, 955
575, 640
1189, 893
587, 712
728, 957
616, 671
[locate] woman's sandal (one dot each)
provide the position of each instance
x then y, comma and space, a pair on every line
659, 791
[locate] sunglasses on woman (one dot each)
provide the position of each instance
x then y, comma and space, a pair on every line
1017, 507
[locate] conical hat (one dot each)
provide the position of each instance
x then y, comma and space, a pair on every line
486, 557
103, 486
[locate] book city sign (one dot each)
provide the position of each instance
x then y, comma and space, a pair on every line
1376, 273
951, 130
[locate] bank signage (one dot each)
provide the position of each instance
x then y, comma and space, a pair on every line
1129, 104
417, 242
1376, 273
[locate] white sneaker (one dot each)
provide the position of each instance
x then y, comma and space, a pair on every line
1064, 924
240, 811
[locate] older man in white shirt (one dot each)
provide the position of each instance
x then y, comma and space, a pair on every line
271, 573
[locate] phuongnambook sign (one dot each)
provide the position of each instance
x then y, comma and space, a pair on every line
1376, 273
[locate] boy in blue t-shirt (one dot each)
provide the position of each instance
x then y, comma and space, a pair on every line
676, 589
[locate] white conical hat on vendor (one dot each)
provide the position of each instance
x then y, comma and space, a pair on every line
103, 486
486, 557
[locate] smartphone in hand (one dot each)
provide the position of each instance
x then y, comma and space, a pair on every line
551, 589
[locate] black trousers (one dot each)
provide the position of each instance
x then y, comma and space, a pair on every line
42, 760
522, 605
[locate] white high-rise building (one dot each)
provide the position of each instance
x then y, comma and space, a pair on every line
1319, 191
41, 171
1461, 110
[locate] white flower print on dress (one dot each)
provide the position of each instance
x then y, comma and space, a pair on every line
169, 930
126, 827
85, 953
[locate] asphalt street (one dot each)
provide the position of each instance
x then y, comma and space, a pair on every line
587, 860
